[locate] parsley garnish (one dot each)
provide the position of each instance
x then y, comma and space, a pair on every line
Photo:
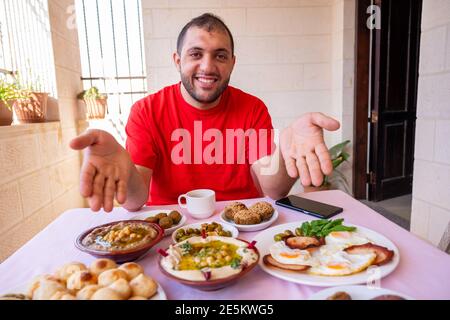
235, 263
186, 248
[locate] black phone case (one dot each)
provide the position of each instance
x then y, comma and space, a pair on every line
314, 214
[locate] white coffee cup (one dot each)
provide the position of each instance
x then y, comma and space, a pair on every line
200, 203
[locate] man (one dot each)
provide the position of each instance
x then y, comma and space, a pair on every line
186, 136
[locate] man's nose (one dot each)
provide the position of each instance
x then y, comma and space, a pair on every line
207, 64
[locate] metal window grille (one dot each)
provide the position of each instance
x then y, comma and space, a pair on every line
112, 54
26, 44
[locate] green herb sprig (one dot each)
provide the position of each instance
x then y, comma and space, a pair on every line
322, 228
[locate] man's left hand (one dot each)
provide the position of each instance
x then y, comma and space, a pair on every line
304, 150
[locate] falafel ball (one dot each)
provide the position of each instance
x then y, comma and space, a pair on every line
264, 209
161, 215
231, 209
246, 217
152, 219
175, 216
165, 222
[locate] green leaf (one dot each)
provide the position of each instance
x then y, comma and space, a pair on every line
337, 149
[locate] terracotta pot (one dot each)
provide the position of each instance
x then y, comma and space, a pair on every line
95, 108
6, 115
33, 109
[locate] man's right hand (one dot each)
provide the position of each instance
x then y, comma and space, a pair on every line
105, 171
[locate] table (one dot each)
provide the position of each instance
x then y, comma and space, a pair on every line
423, 272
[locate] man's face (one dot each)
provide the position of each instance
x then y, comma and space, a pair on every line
205, 64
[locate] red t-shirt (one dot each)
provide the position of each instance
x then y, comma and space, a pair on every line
189, 149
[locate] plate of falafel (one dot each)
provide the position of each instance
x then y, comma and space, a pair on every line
258, 216
169, 220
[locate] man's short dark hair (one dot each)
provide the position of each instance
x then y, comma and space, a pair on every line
208, 22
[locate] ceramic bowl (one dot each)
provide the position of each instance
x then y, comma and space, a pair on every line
212, 285
121, 255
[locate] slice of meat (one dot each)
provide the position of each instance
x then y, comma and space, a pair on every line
384, 255
301, 242
269, 260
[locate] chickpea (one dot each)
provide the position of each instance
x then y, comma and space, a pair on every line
133, 235
139, 236
203, 264
224, 253
197, 260
209, 260
224, 247
218, 256
228, 258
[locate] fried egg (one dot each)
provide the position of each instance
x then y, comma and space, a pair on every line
286, 255
341, 263
344, 239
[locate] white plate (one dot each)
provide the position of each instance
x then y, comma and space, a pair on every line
159, 295
251, 227
356, 293
146, 214
265, 240
225, 226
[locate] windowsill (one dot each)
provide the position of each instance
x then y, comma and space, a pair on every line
27, 128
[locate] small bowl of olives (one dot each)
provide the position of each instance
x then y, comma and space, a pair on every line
168, 220
210, 229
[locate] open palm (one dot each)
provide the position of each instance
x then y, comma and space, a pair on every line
304, 150
105, 171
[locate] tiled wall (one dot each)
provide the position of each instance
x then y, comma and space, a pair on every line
431, 190
296, 55
38, 172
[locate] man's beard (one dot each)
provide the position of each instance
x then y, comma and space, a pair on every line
211, 97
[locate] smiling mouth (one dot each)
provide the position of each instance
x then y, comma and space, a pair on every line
206, 79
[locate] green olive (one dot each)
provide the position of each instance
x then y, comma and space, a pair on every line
298, 232
288, 232
279, 237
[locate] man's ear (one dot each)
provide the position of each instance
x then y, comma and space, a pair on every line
234, 62
177, 61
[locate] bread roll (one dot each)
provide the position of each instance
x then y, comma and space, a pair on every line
101, 265
87, 292
68, 269
105, 294
80, 279
61, 295
107, 277
36, 283
132, 269
45, 289
122, 287
143, 286
137, 298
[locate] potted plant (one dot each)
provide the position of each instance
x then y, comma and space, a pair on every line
338, 156
10, 92
32, 107
96, 103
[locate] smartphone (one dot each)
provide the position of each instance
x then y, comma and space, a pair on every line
310, 207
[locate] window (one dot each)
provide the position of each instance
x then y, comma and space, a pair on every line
26, 44
112, 53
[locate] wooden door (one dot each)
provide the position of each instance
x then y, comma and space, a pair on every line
395, 52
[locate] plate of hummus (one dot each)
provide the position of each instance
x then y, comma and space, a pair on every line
209, 263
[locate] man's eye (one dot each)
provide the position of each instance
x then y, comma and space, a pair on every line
222, 57
195, 55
